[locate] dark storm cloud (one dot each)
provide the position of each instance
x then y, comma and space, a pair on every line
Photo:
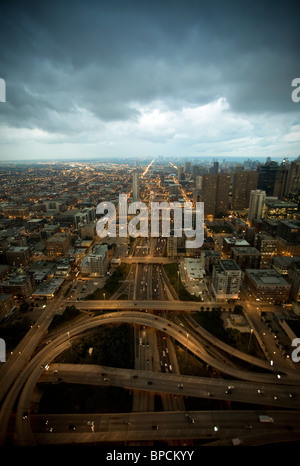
106, 57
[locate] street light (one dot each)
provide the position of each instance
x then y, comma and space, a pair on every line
187, 336
251, 331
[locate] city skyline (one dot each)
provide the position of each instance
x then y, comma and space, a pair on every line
134, 334
149, 225
134, 79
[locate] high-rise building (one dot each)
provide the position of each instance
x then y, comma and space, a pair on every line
226, 279
288, 235
243, 183
293, 177
272, 178
187, 167
214, 169
136, 186
215, 193
277, 209
180, 173
96, 263
250, 235
198, 183
256, 204
267, 246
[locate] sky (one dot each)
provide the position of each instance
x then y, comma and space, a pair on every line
98, 79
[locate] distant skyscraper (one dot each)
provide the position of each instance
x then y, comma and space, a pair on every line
180, 173
136, 186
272, 178
214, 169
293, 177
187, 167
243, 183
256, 204
198, 182
215, 193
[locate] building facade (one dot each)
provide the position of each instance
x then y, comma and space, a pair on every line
256, 204
267, 286
226, 280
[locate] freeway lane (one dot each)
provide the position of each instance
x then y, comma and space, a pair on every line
203, 387
171, 425
194, 346
147, 260
174, 305
47, 355
23, 352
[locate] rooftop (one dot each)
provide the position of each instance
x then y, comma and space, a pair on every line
229, 264
266, 277
236, 242
249, 250
194, 269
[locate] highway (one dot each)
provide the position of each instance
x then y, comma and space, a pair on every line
148, 289
58, 345
147, 380
25, 349
211, 425
147, 260
143, 304
193, 345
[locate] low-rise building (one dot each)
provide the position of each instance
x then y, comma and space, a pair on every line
209, 257
194, 269
18, 255
48, 289
18, 285
6, 305
58, 244
267, 286
230, 242
246, 257
282, 264
294, 279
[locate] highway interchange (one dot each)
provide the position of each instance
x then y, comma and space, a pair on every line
159, 319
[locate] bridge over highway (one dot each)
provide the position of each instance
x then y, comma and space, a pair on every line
147, 260
153, 426
203, 387
34, 368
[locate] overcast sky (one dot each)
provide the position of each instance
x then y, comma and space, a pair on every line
147, 78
